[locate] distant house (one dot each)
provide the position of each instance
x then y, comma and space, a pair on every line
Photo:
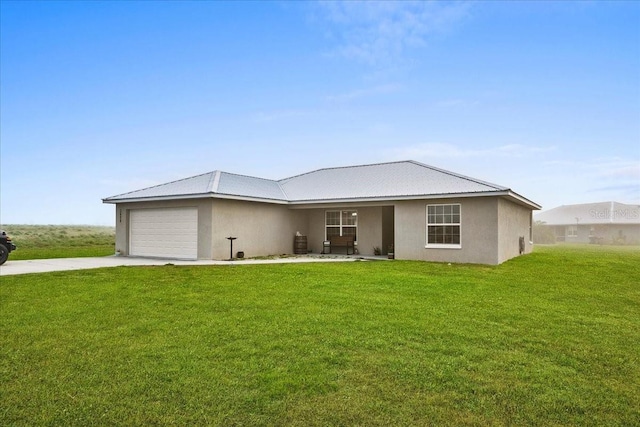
417, 211
603, 222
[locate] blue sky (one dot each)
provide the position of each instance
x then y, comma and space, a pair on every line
101, 98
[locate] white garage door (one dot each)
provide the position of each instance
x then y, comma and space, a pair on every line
164, 233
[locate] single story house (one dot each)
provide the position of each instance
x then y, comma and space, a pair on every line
602, 222
417, 211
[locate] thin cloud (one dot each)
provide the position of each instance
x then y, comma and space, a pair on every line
617, 175
611, 167
623, 169
625, 193
624, 188
610, 178
375, 32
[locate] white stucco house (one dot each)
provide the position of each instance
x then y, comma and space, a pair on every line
600, 222
422, 212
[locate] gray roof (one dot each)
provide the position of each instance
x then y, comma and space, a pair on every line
207, 185
194, 185
591, 213
387, 180
395, 180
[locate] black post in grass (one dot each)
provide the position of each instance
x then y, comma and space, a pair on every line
231, 239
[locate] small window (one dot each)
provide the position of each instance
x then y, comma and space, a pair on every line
443, 226
572, 231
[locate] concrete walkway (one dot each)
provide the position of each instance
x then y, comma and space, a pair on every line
65, 264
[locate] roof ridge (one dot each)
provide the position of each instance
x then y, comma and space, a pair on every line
284, 193
214, 181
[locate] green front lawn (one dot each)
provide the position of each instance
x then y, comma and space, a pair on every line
546, 339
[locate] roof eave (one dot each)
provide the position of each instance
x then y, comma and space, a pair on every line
507, 193
523, 200
112, 200
249, 198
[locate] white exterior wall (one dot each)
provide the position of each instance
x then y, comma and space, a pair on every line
261, 228
490, 228
514, 222
479, 231
369, 229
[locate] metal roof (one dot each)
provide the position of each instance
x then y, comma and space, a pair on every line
247, 186
591, 213
208, 184
195, 185
398, 179
394, 180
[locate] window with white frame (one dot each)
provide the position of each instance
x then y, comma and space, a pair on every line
443, 226
341, 223
572, 231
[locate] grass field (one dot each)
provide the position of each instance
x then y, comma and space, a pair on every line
60, 241
551, 338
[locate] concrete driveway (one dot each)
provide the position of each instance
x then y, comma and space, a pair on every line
65, 264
